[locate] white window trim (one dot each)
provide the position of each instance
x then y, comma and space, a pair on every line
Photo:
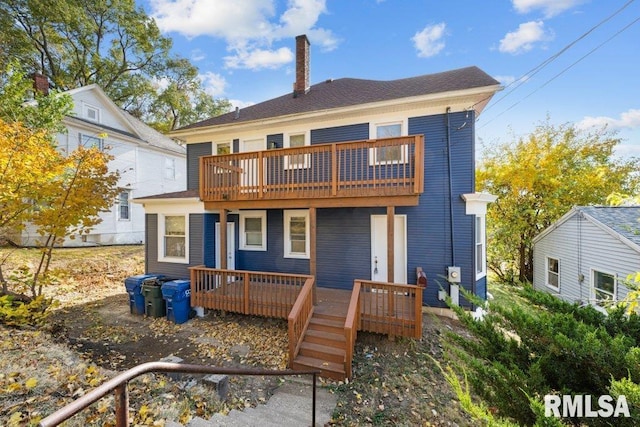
483, 236
88, 107
82, 143
547, 271
161, 231
243, 144
287, 233
243, 237
216, 144
307, 157
373, 152
593, 284
128, 205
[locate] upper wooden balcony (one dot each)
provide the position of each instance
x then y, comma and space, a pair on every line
382, 172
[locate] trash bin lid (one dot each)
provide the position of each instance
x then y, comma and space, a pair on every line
175, 287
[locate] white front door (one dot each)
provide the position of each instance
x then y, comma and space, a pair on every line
379, 248
231, 246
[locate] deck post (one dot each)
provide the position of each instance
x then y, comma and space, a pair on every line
313, 266
223, 239
391, 225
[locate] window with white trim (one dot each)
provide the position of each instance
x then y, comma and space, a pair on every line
123, 205
253, 230
604, 287
223, 148
173, 241
90, 112
297, 161
480, 247
91, 141
391, 154
296, 234
553, 273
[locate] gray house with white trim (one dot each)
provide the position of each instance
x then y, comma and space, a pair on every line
587, 255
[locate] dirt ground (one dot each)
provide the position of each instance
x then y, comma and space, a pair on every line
93, 335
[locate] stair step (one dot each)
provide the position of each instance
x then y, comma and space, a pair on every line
327, 338
324, 352
318, 313
327, 369
327, 325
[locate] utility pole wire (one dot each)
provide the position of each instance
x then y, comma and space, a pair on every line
522, 79
564, 70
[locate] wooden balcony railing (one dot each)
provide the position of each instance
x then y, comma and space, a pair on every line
246, 292
390, 308
373, 168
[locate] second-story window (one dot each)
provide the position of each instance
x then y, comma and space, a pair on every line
223, 148
389, 154
297, 161
90, 141
123, 205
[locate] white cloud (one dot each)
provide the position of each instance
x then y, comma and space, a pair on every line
549, 7
214, 84
255, 59
429, 42
628, 120
197, 55
505, 80
249, 27
524, 38
240, 104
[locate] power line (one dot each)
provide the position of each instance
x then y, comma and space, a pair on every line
522, 79
564, 70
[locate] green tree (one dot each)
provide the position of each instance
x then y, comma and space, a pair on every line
111, 43
538, 179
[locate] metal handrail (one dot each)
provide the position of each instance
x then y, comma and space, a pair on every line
118, 384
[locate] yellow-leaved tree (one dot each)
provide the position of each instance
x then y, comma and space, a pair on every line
58, 193
539, 178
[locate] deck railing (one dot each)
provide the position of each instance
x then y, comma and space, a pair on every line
299, 318
246, 292
390, 308
382, 167
351, 326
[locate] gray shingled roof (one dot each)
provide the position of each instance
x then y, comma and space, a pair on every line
348, 92
624, 220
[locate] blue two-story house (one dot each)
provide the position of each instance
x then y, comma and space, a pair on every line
343, 180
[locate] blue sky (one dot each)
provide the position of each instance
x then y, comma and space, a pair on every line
573, 61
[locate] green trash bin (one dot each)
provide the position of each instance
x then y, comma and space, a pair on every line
154, 304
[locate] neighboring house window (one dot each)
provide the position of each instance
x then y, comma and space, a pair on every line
297, 161
253, 230
480, 247
92, 113
553, 273
296, 234
169, 168
389, 155
91, 141
604, 287
223, 148
123, 205
173, 244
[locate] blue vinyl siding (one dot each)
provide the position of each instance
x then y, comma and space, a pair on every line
340, 134
194, 152
209, 239
429, 240
235, 146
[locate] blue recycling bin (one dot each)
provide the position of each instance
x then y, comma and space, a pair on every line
177, 294
133, 285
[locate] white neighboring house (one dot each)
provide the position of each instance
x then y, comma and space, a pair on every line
148, 162
586, 256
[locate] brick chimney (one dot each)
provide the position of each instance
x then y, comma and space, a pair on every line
301, 86
41, 84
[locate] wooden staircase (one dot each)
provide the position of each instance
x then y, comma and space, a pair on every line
324, 345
